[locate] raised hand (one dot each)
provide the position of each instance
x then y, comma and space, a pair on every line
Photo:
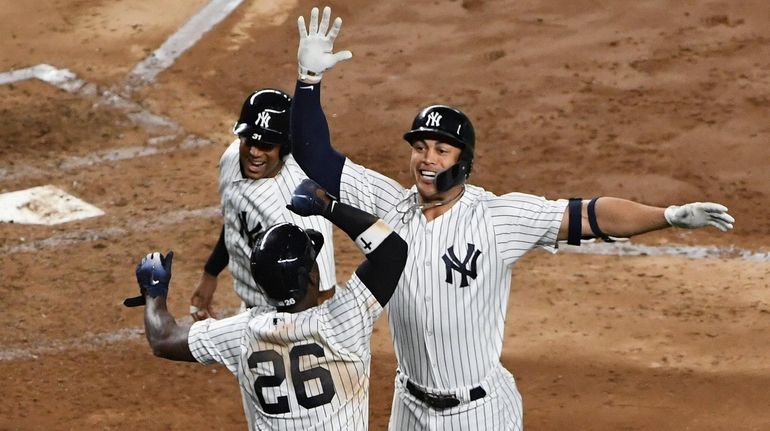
315, 46
153, 273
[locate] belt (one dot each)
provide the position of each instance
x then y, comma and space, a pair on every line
442, 401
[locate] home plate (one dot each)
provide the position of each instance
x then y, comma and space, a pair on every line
44, 205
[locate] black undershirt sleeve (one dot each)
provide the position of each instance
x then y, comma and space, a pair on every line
311, 145
219, 257
383, 266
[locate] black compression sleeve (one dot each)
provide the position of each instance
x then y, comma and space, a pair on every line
219, 257
383, 265
382, 268
311, 145
350, 219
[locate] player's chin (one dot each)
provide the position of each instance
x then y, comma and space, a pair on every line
427, 190
255, 172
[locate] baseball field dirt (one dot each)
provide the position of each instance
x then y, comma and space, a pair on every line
656, 101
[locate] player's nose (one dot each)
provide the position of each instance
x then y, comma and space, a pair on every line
255, 151
430, 156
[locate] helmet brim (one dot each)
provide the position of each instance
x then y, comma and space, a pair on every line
438, 135
270, 137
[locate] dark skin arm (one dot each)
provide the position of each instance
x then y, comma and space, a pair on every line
167, 339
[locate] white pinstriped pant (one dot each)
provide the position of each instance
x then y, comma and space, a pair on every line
500, 409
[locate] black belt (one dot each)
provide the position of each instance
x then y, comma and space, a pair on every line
442, 401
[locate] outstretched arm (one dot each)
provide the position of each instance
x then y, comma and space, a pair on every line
167, 338
310, 131
384, 249
617, 217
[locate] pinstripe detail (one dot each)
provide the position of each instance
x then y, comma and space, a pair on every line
342, 326
264, 203
448, 338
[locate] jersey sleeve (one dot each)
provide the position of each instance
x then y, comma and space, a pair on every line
522, 222
215, 341
229, 165
353, 310
369, 190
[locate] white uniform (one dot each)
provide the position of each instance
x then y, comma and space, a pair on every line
448, 312
301, 371
250, 206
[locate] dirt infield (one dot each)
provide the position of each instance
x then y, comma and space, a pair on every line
661, 102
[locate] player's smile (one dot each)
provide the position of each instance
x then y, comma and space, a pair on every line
429, 157
259, 160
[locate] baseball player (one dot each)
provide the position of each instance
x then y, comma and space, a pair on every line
303, 365
257, 175
447, 316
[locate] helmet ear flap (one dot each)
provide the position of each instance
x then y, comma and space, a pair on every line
285, 149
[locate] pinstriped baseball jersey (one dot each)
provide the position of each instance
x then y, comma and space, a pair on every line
301, 371
250, 206
447, 315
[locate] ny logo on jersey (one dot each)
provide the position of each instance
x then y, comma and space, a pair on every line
434, 120
263, 120
454, 264
248, 234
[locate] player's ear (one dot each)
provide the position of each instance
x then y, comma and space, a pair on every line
315, 276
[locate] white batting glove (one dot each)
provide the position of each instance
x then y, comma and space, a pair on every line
315, 46
699, 214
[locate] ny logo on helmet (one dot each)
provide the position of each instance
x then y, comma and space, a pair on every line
263, 120
434, 120
453, 263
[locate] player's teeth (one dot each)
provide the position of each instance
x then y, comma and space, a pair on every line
428, 174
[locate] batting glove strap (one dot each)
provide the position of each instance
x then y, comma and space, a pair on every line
308, 76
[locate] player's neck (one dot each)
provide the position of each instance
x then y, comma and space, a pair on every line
437, 205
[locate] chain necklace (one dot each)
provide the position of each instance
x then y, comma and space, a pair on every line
410, 206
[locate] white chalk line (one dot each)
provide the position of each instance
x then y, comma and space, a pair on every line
160, 128
87, 342
184, 38
627, 248
88, 235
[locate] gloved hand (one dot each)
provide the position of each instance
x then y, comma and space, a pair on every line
309, 198
153, 274
315, 46
699, 214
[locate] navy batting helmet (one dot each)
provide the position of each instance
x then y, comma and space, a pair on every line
265, 118
446, 124
281, 261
